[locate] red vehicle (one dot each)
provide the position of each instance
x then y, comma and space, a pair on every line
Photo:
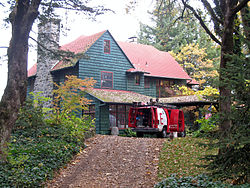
162, 120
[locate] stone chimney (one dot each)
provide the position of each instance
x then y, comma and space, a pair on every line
48, 42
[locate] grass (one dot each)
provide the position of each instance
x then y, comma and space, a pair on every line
182, 156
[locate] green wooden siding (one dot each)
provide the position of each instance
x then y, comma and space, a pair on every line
97, 61
97, 104
104, 123
101, 115
132, 85
59, 76
151, 91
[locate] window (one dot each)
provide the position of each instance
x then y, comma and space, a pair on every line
118, 116
164, 88
137, 80
146, 82
90, 111
107, 46
106, 79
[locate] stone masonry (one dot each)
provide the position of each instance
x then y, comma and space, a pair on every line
48, 44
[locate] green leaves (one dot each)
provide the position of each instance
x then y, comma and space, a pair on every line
201, 180
37, 148
34, 153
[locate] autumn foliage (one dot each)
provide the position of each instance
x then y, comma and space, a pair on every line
195, 62
69, 97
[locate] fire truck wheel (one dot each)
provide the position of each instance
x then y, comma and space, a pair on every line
139, 134
164, 133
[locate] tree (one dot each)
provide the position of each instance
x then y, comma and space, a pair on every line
22, 17
178, 31
69, 97
233, 85
195, 62
170, 33
230, 30
223, 17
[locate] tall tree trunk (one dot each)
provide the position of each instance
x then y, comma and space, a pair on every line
22, 19
227, 47
245, 13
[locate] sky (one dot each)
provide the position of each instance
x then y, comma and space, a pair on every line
120, 24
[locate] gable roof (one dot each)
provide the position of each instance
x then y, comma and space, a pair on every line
190, 100
144, 58
79, 45
153, 61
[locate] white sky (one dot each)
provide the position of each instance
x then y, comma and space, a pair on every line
121, 26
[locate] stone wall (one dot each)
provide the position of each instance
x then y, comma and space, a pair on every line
48, 44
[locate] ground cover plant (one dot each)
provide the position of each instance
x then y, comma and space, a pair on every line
36, 149
201, 180
45, 139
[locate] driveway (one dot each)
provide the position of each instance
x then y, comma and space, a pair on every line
113, 161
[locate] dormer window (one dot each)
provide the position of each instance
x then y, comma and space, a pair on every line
107, 46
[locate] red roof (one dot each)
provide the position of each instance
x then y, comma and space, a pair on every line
32, 70
153, 61
80, 45
145, 58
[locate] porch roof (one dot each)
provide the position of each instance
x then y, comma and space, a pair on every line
191, 100
118, 96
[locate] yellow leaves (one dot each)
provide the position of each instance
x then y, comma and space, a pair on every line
194, 61
186, 91
69, 96
208, 91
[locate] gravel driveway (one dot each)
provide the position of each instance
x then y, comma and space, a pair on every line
113, 161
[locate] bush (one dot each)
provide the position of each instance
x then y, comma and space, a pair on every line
38, 148
34, 154
130, 133
74, 125
207, 127
197, 181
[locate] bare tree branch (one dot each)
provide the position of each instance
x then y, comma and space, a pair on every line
60, 54
202, 23
211, 11
240, 6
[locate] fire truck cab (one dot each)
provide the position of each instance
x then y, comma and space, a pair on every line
156, 119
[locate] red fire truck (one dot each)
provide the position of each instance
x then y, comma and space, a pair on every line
155, 118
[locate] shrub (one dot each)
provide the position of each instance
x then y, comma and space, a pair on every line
74, 125
130, 133
34, 154
38, 147
207, 127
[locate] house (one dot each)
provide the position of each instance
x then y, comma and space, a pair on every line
125, 73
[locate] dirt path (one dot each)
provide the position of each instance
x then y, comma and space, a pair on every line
113, 161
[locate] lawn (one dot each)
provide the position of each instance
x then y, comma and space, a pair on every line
182, 156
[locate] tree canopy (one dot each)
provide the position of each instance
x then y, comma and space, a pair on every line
23, 14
